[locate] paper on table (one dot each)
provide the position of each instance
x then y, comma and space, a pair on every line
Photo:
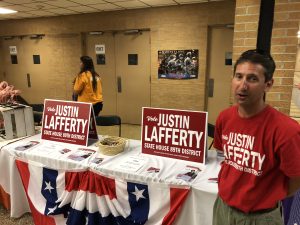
97, 160
189, 174
27, 145
81, 154
51, 149
130, 164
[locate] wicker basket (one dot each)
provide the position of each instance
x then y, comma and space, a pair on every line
111, 145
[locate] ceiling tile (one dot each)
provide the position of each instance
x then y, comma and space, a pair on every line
113, 1
89, 2
4, 4
40, 8
83, 9
62, 3
61, 11
159, 2
19, 8
132, 4
18, 1
190, 1
106, 7
24, 15
42, 13
40, 5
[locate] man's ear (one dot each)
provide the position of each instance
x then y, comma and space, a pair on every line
269, 84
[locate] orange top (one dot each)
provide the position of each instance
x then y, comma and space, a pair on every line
84, 88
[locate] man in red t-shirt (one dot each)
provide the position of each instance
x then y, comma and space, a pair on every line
261, 147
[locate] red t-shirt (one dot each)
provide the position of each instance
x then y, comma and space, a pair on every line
261, 153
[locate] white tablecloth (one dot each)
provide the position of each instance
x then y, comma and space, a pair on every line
197, 209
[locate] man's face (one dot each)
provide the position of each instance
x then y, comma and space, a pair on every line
248, 84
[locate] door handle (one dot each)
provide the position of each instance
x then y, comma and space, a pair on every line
211, 87
119, 83
28, 80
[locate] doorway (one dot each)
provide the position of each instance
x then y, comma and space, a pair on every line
45, 66
125, 74
219, 71
106, 68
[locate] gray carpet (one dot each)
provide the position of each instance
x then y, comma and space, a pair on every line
5, 219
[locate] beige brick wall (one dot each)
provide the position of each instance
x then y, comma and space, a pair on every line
284, 49
283, 44
246, 24
174, 27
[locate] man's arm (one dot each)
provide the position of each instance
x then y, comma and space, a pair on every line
294, 185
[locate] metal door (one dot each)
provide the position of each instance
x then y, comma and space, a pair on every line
105, 66
219, 74
133, 75
125, 72
51, 74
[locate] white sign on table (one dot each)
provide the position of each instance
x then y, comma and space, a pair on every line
131, 164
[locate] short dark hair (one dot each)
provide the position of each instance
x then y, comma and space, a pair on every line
261, 57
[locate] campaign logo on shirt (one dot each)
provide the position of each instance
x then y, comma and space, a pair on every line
239, 153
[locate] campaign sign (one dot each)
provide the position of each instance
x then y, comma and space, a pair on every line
175, 134
68, 122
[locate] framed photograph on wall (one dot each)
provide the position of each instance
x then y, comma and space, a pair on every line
178, 64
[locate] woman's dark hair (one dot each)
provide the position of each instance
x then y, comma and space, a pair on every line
88, 65
258, 56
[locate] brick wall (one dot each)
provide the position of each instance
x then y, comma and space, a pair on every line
172, 28
283, 44
246, 25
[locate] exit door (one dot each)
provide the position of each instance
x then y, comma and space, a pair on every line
105, 66
133, 75
41, 70
125, 74
219, 71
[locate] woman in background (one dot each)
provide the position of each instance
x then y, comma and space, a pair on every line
88, 84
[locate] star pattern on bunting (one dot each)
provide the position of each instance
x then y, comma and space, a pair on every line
51, 210
138, 193
48, 186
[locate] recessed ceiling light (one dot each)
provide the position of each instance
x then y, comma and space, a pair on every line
6, 11
131, 31
96, 32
